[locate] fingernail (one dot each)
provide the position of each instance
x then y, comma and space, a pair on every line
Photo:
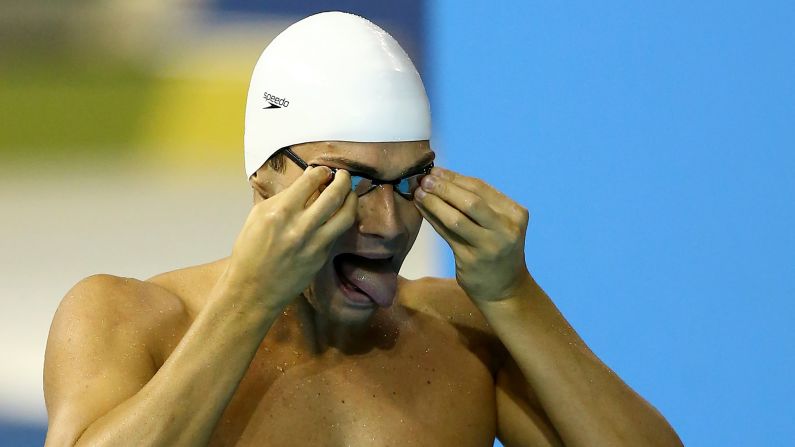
445, 174
428, 181
419, 194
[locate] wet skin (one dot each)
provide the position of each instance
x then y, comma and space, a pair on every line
269, 348
421, 371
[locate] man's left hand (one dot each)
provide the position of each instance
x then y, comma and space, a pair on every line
485, 229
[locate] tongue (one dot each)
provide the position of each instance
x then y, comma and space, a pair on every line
375, 277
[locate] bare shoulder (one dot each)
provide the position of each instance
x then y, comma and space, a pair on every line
157, 310
444, 300
105, 304
191, 284
118, 300
103, 347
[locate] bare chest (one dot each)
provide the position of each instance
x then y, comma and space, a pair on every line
428, 390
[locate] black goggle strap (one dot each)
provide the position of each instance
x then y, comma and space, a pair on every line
294, 157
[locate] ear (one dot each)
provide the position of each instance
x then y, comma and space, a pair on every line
265, 183
261, 189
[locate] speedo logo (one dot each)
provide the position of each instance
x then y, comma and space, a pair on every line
274, 102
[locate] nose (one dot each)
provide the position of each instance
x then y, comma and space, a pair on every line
378, 214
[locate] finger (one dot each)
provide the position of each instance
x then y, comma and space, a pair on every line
455, 241
329, 200
340, 221
497, 199
471, 184
454, 221
300, 191
470, 203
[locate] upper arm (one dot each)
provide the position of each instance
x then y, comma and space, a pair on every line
521, 420
97, 355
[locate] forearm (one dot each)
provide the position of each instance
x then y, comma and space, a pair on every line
184, 400
588, 404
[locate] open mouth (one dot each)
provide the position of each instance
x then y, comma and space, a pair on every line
351, 290
366, 281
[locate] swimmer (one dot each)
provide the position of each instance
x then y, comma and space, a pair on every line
306, 335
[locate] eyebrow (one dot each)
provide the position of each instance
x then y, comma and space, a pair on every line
357, 167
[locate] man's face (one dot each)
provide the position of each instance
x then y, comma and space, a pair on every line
360, 274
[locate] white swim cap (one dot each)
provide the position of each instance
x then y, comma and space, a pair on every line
333, 76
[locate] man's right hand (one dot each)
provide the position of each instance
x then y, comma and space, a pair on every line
99, 346
287, 238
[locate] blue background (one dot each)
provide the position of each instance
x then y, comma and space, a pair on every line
653, 144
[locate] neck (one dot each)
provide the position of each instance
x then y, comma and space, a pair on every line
319, 333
